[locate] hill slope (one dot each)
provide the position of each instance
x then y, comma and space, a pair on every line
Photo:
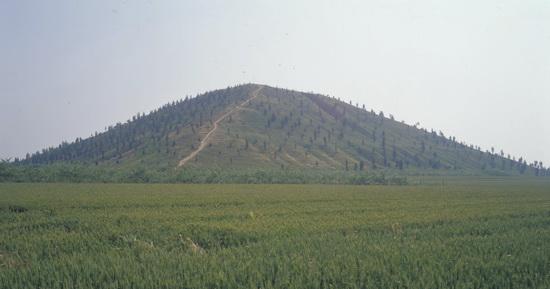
257, 126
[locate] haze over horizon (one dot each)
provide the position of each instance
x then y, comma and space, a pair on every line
477, 71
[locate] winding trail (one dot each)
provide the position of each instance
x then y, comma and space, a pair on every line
204, 141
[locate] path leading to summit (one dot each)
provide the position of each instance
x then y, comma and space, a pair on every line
204, 141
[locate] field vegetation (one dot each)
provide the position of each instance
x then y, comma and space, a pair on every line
446, 233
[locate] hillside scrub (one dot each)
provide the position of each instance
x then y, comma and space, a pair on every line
260, 127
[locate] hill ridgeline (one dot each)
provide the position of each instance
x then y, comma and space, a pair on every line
255, 126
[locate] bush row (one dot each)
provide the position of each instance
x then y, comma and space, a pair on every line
86, 174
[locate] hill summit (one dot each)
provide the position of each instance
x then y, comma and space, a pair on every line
258, 126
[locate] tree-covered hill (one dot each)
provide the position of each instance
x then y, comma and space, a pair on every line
260, 127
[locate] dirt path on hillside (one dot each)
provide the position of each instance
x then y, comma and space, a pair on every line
204, 141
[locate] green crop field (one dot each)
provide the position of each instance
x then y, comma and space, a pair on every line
457, 233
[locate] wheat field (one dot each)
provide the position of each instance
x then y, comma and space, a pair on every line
461, 233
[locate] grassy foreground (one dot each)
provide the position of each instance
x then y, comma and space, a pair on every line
469, 234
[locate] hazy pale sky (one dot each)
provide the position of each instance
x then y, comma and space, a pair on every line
477, 70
